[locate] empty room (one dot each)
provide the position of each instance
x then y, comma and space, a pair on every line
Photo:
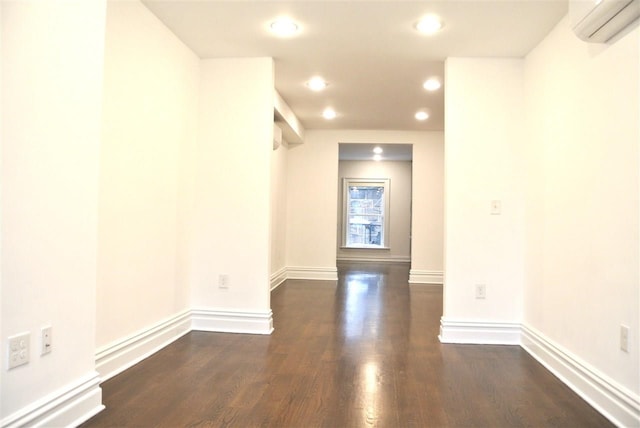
320, 213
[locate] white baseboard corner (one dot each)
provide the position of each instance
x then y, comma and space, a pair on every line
431, 277
278, 277
479, 332
616, 403
313, 273
225, 321
124, 353
69, 406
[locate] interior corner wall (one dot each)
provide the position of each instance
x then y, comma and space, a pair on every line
52, 65
484, 137
583, 214
232, 227
279, 158
398, 235
151, 87
312, 197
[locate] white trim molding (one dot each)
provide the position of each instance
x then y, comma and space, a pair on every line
226, 321
277, 278
384, 259
69, 406
124, 353
314, 273
435, 277
479, 332
615, 402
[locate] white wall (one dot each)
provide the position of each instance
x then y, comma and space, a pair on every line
555, 137
582, 273
313, 195
233, 177
427, 229
398, 235
279, 159
484, 135
149, 118
52, 62
312, 173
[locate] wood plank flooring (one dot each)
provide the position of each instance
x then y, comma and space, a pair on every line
360, 353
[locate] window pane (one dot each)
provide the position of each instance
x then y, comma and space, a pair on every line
365, 216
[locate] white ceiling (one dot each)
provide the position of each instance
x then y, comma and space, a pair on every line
369, 51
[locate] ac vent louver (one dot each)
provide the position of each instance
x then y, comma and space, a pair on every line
597, 21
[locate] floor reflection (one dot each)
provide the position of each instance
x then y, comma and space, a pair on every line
363, 325
362, 304
370, 374
359, 352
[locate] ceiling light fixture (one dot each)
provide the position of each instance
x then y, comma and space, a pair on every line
433, 84
430, 24
377, 150
317, 83
422, 115
283, 27
329, 113
377, 158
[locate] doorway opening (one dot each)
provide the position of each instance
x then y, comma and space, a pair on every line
374, 202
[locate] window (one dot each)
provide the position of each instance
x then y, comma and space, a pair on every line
365, 213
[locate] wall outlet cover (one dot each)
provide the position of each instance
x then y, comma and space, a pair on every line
19, 348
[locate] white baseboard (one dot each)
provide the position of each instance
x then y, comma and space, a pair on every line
278, 277
479, 332
386, 259
69, 406
426, 277
224, 321
616, 403
124, 353
314, 273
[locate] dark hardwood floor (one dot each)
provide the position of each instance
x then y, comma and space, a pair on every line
362, 352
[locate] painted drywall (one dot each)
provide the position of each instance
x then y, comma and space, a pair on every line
312, 173
398, 235
427, 204
149, 117
287, 121
483, 139
582, 272
232, 224
278, 208
51, 103
313, 195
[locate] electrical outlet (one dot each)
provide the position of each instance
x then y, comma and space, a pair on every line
624, 338
45, 341
481, 291
19, 349
223, 281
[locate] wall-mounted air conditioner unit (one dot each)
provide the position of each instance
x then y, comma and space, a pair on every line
599, 20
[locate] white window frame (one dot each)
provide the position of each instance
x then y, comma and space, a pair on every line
365, 182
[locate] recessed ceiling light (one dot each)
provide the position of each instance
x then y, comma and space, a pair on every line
377, 158
430, 24
422, 115
329, 113
377, 150
284, 27
433, 84
317, 83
